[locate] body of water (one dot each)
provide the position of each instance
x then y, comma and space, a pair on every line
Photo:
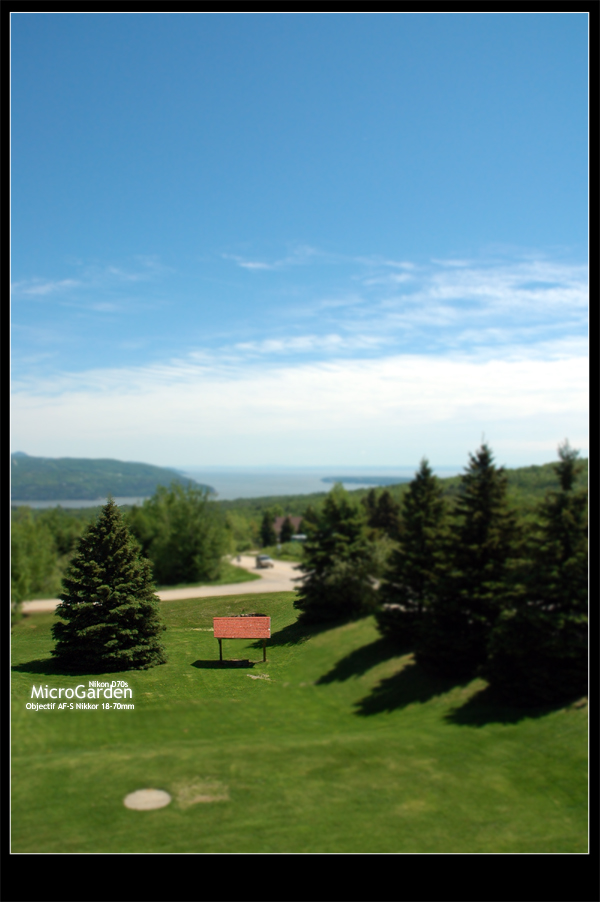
231, 483
259, 482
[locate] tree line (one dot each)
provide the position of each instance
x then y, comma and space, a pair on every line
182, 531
470, 587
44, 540
179, 529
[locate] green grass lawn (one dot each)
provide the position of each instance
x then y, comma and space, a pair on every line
339, 743
230, 573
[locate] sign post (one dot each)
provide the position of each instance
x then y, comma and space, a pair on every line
244, 626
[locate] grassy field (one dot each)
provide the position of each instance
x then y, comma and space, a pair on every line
339, 743
230, 574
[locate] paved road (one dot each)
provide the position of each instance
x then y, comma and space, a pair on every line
279, 578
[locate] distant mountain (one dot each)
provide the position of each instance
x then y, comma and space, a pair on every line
84, 479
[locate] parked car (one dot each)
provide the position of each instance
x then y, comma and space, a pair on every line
263, 561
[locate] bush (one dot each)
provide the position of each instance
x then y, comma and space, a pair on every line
33, 560
182, 533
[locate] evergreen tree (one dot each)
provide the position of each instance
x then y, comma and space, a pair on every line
339, 562
287, 530
478, 573
383, 513
267, 531
416, 566
109, 614
538, 652
369, 502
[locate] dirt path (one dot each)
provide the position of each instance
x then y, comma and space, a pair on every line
280, 578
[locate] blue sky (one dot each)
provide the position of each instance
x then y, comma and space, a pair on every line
299, 239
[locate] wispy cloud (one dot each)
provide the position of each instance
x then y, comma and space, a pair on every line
432, 360
443, 302
300, 256
91, 277
308, 344
251, 264
468, 302
40, 287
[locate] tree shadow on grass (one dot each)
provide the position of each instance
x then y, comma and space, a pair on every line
484, 707
225, 664
44, 667
294, 634
51, 667
362, 659
412, 684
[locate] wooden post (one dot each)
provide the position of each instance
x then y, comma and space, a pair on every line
264, 649
220, 649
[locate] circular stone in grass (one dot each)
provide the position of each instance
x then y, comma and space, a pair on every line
145, 799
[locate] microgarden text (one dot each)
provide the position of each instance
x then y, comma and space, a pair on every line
115, 689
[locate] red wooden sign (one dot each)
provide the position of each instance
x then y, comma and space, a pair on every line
242, 627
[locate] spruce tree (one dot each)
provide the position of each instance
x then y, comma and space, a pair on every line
477, 581
267, 532
416, 566
369, 502
109, 614
538, 650
287, 530
383, 513
339, 562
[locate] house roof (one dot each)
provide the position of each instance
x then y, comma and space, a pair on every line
279, 521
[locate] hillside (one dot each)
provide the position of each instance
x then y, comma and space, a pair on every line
85, 479
340, 743
526, 488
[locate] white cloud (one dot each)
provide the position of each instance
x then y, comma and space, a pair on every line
308, 344
394, 409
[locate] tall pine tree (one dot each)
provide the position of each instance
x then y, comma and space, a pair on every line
383, 513
267, 530
339, 562
538, 651
416, 566
476, 585
109, 614
287, 531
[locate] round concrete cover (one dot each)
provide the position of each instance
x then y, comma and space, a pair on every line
145, 799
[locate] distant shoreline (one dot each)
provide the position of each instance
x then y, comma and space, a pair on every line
367, 480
